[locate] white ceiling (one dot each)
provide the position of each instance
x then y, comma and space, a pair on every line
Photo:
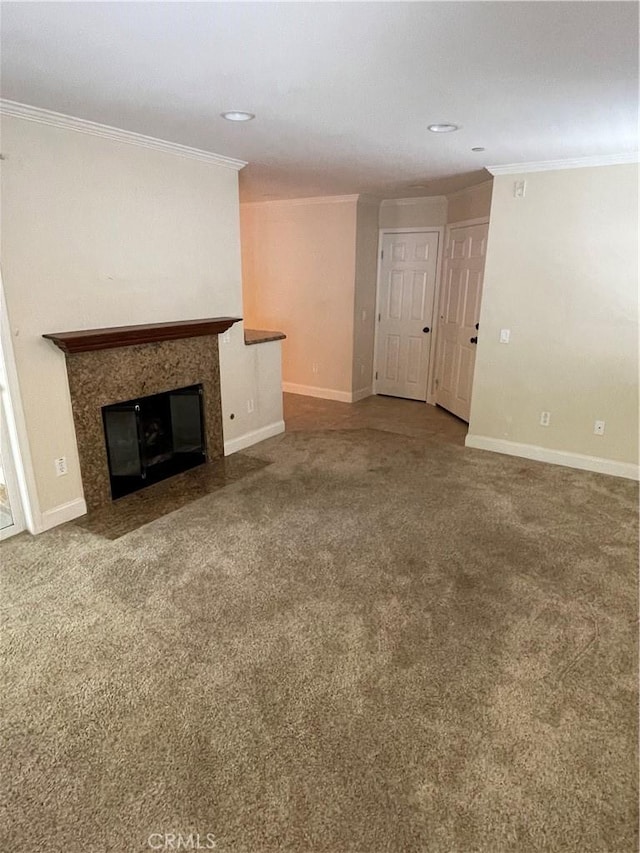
342, 92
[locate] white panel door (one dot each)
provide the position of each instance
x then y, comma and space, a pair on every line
458, 317
405, 313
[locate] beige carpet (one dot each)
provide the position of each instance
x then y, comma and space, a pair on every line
374, 644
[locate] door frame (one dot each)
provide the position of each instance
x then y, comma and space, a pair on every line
463, 223
426, 229
16, 442
10, 474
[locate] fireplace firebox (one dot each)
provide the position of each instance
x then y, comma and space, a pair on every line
152, 438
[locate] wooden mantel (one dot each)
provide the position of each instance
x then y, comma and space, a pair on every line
127, 336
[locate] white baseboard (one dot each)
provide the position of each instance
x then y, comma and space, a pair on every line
313, 391
361, 394
253, 437
554, 457
59, 514
326, 393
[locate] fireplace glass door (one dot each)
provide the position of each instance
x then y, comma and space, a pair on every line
154, 437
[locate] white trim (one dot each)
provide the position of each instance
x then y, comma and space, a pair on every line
431, 397
466, 223
292, 202
314, 391
16, 424
361, 394
554, 457
428, 229
10, 530
401, 202
60, 514
414, 229
572, 163
328, 393
253, 437
80, 125
9, 456
471, 189
9, 463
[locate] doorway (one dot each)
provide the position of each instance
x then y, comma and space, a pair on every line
407, 277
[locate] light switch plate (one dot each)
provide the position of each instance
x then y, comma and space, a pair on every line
505, 335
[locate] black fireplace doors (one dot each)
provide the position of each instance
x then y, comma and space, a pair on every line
153, 437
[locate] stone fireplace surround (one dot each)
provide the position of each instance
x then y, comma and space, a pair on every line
107, 366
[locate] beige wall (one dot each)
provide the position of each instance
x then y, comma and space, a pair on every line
470, 203
413, 212
364, 308
562, 275
299, 264
96, 233
250, 373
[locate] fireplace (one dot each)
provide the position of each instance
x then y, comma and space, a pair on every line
151, 438
135, 364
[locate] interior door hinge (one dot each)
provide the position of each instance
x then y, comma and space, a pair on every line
376, 374
382, 255
378, 318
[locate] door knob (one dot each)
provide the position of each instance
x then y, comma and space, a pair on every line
426, 329
473, 340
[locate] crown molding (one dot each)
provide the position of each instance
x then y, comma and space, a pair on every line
80, 125
573, 163
294, 202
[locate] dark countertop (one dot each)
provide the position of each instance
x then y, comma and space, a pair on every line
260, 336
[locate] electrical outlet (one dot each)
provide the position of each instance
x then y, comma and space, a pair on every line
505, 334
314, 367
61, 466
226, 337
250, 406
598, 428
545, 418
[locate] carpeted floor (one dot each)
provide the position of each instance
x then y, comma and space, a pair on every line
376, 642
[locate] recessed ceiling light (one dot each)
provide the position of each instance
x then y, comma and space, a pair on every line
478, 148
237, 115
443, 128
